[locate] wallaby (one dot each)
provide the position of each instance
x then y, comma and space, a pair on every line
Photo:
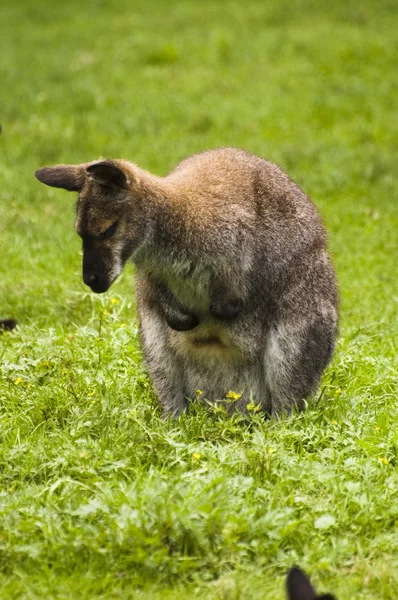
234, 285
299, 587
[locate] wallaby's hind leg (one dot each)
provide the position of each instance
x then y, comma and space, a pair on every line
164, 369
297, 352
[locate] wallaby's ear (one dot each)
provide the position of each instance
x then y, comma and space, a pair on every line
68, 177
107, 173
299, 586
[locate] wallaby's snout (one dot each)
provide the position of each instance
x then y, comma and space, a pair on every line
99, 268
98, 282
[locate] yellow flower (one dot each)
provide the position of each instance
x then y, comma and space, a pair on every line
196, 456
122, 325
253, 407
383, 461
28, 386
233, 396
91, 393
115, 301
105, 312
199, 392
334, 421
377, 428
337, 392
18, 380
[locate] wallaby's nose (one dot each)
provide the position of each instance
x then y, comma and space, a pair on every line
91, 280
96, 282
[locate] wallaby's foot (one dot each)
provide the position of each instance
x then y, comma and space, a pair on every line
8, 324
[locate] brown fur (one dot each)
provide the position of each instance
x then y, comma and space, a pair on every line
235, 288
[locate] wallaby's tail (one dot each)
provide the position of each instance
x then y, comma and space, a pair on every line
8, 324
299, 587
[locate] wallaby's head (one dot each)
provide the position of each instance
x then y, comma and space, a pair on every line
299, 587
109, 216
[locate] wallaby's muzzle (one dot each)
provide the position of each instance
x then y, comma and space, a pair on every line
98, 282
98, 270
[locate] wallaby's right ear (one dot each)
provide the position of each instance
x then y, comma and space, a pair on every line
68, 177
299, 586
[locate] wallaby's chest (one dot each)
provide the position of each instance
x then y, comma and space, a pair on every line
188, 283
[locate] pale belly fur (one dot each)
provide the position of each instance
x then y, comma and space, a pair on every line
216, 367
210, 342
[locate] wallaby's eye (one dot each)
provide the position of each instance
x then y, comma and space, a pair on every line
110, 231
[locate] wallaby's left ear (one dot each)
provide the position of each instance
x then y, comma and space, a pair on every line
108, 173
67, 177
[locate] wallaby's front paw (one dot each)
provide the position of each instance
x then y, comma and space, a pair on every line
224, 309
181, 322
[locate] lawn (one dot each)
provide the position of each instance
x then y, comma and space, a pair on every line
99, 497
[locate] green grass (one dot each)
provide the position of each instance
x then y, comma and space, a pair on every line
100, 498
